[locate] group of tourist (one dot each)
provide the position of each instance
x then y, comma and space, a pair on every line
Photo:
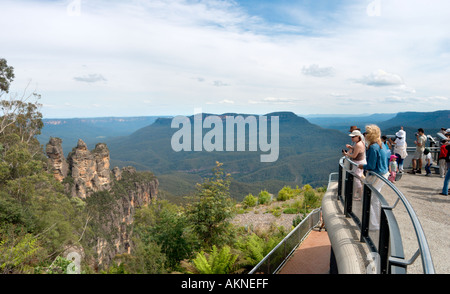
372, 152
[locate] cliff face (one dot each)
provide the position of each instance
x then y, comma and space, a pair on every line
114, 224
56, 158
112, 196
89, 170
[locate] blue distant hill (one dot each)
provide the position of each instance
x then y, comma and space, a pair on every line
309, 148
91, 130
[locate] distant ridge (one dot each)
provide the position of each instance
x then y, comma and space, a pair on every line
302, 145
432, 120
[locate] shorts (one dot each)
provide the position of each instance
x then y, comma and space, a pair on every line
418, 154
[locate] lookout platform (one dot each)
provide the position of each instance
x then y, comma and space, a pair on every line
433, 211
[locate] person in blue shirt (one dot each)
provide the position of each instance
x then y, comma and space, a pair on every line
377, 153
377, 162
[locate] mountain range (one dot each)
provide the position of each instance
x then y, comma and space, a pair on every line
308, 152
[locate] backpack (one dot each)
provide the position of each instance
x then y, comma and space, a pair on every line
443, 152
447, 156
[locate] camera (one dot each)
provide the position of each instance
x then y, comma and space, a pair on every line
392, 137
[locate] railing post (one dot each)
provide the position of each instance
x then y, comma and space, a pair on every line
367, 195
339, 193
383, 247
348, 201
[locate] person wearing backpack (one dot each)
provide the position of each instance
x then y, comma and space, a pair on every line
447, 176
441, 161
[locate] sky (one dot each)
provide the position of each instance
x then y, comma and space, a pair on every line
172, 57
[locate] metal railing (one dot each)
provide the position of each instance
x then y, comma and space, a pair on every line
276, 258
377, 221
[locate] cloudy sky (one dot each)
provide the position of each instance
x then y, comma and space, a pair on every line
169, 57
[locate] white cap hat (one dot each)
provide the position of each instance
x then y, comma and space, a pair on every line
355, 133
401, 134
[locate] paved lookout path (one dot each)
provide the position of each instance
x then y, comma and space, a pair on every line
432, 209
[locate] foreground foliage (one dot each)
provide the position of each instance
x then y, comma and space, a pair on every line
39, 221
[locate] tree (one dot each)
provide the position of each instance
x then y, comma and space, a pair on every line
37, 220
6, 76
165, 224
19, 115
212, 209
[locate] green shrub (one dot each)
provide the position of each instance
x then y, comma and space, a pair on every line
297, 220
217, 262
311, 200
264, 197
307, 187
250, 201
285, 194
291, 210
254, 248
322, 189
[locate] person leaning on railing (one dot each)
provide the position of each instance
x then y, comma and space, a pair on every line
357, 153
377, 159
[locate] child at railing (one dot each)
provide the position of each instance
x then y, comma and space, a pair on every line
393, 168
428, 161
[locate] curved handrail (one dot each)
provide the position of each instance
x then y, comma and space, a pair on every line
424, 249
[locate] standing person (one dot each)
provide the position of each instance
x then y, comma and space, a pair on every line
352, 128
400, 148
447, 176
357, 155
441, 161
376, 157
421, 139
428, 161
386, 143
393, 168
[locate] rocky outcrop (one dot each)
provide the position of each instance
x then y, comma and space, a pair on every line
142, 189
112, 196
89, 170
57, 160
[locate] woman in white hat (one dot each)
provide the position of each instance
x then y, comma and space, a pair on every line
400, 147
358, 155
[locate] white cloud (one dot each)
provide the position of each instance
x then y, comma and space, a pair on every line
403, 89
317, 71
179, 50
275, 100
338, 94
381, 78
226, 101
220, 84
91, 78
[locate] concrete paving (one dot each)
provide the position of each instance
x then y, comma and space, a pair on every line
433, 211
311, 257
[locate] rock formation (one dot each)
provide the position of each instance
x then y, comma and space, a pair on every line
113, 195
56, 158
89, 170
